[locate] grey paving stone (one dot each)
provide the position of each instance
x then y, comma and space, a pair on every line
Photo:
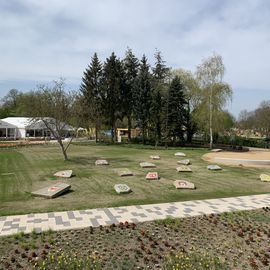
85, 212
71, 215
154, 211
13, 226
66, 224
8, 223
111, 217
138, 214
189, 204
94, 222
216, 211
171, 209
58, 220
210, 203
232, 208
98, 217
51, 215
187, 210
37, 220
109, 222
196, 202
6, 229
223, 200
121, 210
21, 229
38, 229
213, 207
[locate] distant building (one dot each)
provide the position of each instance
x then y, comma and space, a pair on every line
24, 127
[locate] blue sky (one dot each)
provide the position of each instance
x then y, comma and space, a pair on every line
45, 40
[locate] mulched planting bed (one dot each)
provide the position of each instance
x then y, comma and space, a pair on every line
237, 240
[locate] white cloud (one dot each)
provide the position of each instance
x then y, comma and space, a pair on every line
43, 40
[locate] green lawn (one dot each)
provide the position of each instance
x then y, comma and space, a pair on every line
28, 168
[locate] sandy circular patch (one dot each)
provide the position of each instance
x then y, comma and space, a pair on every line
248, 159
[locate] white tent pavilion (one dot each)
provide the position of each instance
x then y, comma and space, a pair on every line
25, 127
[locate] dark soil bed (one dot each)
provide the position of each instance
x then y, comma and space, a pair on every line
233, 240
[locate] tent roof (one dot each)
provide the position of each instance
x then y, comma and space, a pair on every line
4, 124
19, 122
27, 122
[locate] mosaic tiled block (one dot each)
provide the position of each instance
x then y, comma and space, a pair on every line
183, 168
180, 154
152, 176
101, 162
147, 165
155, 157
122, 188
265, 177
65, 174
182, 184
124, 172
184, 161
52, 191
214, 168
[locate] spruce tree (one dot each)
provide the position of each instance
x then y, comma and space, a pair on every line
91, 93
142, 97
160, 73
176, 111
112, 84
130, 66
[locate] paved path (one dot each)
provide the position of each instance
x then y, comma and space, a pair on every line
138, 213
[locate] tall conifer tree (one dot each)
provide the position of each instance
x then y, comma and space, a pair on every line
160, 73
130, 65
142, 97
112, 84
91, 93
176, 110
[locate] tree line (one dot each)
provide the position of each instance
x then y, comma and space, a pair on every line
167, 106
257, 120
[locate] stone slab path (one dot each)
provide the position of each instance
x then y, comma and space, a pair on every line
137, 213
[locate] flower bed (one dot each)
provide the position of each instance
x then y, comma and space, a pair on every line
224, 241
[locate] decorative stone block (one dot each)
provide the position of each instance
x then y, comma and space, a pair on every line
101, 162
147, 165
180, 154
152, 176
65, 174
216, 150
182, 184
183, 168
52, 191
122, 188
155, 157
213, 168
265, 177
124, 172
184, 162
